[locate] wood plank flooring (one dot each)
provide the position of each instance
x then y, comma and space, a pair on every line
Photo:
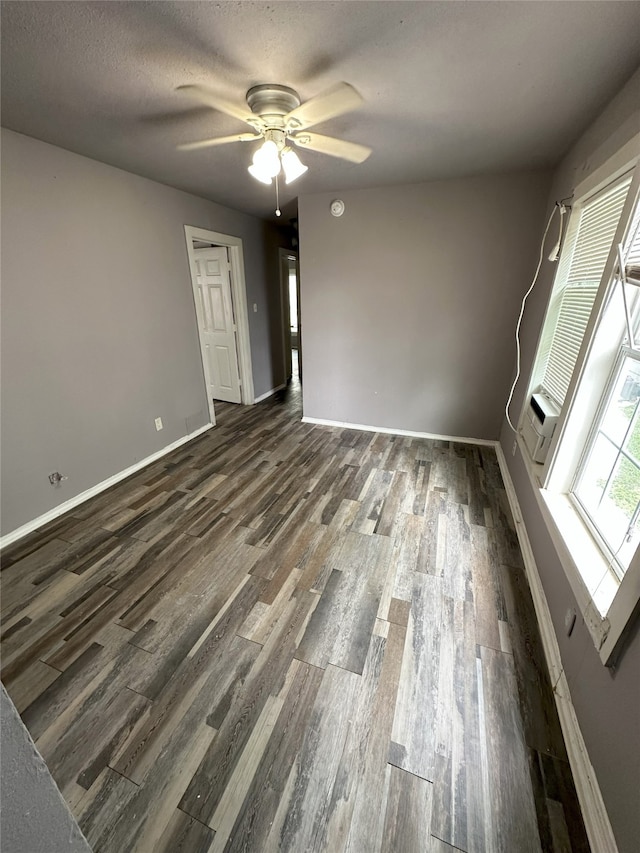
286, 637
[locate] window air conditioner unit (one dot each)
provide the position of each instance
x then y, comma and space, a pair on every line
538, 425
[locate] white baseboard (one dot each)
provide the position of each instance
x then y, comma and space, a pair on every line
389, 431
594, 813
59, 510
269, 393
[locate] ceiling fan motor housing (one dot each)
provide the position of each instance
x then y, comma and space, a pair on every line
272, 102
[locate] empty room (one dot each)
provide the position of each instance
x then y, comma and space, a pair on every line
320, 409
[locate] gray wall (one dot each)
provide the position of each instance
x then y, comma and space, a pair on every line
99, 335
35, 818
409, 300
607, 703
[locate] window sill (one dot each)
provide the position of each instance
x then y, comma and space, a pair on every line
605, 604
582, 560
595, 573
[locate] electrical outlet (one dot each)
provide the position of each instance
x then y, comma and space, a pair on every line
158, 424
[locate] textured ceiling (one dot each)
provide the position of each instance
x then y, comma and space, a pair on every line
451, 88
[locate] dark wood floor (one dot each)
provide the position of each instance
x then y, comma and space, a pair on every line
285, 637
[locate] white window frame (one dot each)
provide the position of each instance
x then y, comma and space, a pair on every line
623, 353
606, 603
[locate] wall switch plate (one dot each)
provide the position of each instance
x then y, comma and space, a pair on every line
158, 424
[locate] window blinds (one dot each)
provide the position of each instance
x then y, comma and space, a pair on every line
632, 255
587, 245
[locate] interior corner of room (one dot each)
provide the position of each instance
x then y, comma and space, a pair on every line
149, 300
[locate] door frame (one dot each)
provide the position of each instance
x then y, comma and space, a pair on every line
239, 298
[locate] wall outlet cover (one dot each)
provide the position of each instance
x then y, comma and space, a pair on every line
158, 424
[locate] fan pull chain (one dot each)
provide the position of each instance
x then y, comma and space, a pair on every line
278, 213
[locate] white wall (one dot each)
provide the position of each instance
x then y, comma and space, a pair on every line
607, 702
99, 335
409, 301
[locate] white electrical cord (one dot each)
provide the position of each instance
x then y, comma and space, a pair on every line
561, 208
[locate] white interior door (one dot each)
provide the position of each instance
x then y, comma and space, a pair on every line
216, 324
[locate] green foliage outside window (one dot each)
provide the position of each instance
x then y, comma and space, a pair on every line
625, 488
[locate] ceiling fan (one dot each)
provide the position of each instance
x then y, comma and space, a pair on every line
278, 117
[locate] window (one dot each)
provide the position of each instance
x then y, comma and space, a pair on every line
587, 244
588, 364
607, 485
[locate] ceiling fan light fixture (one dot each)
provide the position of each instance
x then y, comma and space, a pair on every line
293, 167
277, 114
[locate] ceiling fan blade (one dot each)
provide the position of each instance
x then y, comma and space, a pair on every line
212, 99
336, 101
352, 151
218, 140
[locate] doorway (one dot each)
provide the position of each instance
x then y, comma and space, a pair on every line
290, 309
216, 266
